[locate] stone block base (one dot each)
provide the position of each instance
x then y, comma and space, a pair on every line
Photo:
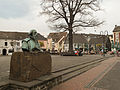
26, 66
43, 83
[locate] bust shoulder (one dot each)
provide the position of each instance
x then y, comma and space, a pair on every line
26, 40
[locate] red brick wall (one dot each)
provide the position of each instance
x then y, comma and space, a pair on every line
119, 37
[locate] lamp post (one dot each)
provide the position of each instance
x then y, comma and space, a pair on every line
103, 41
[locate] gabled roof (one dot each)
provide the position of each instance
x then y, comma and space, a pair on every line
57, 36
17, 35
116, 29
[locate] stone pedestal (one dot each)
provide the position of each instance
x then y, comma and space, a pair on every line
26, 66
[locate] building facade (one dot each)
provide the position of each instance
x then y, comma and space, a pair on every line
8, 46
116, 36
12, 41
55, 41
79, 41
88, 42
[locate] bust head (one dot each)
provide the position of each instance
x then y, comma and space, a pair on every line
33, 34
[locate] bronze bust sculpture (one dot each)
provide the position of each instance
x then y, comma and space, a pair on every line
31, 44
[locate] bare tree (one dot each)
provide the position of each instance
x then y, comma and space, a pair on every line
69, 14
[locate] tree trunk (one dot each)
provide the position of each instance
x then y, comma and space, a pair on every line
70, 40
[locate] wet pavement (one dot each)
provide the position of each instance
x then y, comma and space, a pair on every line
105, 76
61, 62
111, 81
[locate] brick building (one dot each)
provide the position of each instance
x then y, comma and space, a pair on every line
116, 36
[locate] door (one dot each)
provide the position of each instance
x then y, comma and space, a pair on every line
4, 52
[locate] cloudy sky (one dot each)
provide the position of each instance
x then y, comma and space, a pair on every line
23, 15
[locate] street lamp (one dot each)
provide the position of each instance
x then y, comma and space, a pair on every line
103, 35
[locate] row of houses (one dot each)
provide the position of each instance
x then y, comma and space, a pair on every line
93, 42
58, 42
84, 42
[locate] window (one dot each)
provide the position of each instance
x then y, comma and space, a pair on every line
18, 43
5, 43
117, 37
66, 45
112, 41
74, 44
11, 43
11, 50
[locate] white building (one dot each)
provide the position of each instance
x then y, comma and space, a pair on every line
12, 41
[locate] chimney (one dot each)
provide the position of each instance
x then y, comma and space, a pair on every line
115, 26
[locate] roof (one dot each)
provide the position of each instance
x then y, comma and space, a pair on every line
83, 38
77, 38
17, 35
116, 29
99, 40
57, 36
91, 35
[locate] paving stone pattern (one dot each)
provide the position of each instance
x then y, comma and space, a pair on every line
58, 62
82, 81
111, 81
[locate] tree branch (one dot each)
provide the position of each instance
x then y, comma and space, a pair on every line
63, 8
